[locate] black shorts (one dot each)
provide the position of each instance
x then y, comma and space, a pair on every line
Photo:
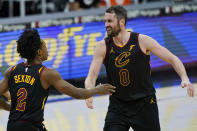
25, 126
145, 119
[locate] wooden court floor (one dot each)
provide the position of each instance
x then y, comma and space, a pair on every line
178, 112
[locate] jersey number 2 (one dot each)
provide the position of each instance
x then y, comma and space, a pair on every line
124, 77
21, 104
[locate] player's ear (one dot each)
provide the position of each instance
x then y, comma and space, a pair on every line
122, 22
39, 52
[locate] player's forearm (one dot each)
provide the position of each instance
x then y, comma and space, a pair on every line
78, 93
86, 93
4, 105
179, 68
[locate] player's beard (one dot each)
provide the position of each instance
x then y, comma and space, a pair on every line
114, 31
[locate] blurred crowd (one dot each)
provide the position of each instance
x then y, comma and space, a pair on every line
35, 6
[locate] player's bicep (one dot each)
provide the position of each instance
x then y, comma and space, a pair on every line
158, 50
55, 79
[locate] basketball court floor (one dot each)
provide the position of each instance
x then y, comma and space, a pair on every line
178, 112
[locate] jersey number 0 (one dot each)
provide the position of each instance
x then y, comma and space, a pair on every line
124, 77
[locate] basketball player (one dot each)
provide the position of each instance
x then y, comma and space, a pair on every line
28, 85
126, 56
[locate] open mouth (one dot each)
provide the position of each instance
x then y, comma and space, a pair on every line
108, 29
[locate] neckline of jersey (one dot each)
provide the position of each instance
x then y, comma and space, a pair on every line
28, 65
121, 46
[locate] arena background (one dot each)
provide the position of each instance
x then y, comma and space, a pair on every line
71, 38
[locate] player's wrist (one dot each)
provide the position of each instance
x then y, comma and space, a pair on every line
183, 79
96, 90
89, 87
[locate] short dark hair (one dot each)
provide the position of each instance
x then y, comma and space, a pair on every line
120, 12
28, 44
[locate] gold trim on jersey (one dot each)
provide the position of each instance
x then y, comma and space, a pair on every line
13, 68
40, 69
43, 102
121, 45
131, 47
119, 58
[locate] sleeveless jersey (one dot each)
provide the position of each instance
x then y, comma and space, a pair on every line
128, 68
27, 94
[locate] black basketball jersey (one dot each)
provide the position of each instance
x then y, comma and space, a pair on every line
28, 97
128, 68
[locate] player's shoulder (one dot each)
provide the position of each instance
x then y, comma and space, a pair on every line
143, 37
9, 70
49, 72
101, 44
